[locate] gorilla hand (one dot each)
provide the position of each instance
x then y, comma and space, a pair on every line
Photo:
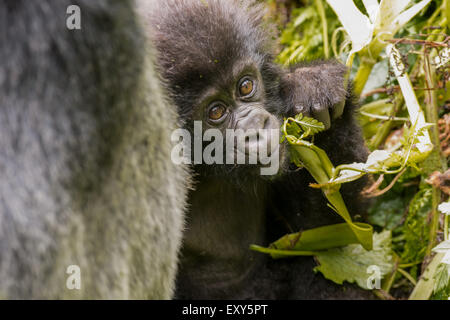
315, 90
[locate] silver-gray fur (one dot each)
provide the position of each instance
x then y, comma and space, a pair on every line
85, 172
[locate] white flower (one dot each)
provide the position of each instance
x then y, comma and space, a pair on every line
446, 258
444, 207
444, 247
384, 20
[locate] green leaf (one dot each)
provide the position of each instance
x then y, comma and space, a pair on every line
308, 13
301, 124
387, 213
316, 161
320, 238
441, 289
416, 227
351, 263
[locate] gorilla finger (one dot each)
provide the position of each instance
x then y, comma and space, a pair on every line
303, 110
338, 110
323, 115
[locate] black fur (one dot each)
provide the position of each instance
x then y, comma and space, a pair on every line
201, 44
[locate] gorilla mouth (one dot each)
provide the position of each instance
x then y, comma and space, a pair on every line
276, 159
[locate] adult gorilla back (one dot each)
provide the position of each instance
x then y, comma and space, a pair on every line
85, 171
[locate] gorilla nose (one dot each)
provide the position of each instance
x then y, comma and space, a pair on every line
256, 127
254, 119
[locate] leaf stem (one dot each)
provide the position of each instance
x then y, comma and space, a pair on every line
369, 57
323, 18
407, 276
380, 117
439, 163
282, 252
446, 227
389, 280
381, 135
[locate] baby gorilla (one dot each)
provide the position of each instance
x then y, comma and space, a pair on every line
217, 58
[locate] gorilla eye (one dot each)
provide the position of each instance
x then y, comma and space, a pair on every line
246, 87
217, 112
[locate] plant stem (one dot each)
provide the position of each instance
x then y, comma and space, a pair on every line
381, 135
435, 14
446, 7
283, 252
364, 70
385, 118
424, 287
408, 265
436, 158
323, 18
446, 227
434, 224
389, 280
369, 57
407, 276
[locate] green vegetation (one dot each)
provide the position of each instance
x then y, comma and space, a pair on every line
398, 52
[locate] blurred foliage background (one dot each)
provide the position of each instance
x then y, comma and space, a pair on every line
406, 204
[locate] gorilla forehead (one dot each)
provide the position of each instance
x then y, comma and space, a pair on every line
203, 41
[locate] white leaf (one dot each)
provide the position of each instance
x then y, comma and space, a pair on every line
350, 175
407, 15
355, 23
372, 8
376, 157
446, 260
389, 10
444, 208
415, 112
442, 247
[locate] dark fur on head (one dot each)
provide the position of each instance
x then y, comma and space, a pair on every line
194, 54
199, 44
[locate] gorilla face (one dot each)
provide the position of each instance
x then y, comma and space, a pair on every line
235, 106
221, 74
